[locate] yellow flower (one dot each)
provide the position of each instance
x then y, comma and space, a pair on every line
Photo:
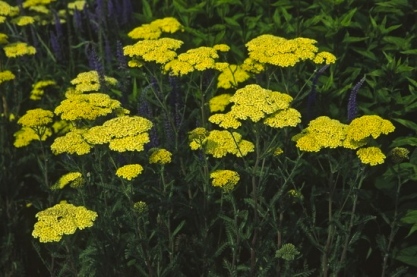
90, 81
38, 89
284, 118
3, 38
321, 132
5, 9
156, 28
6, 75
399, 154
250, 65
368, 126
225, 179
129, 143
76, 5
86, 106
62, 219
226, 121
72, 142
232, 76
221, 47
129, 171
30, 3
160, 50
325, 57
219, 103
16, 49
197, 138
26, 135
23, 20
220, 143
36, 117
74, 179
278, 151
160, 156
371, 155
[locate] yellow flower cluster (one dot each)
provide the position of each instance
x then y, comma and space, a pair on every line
86, 106
160, 51
90, 81
74, 179
231, 76
38, 89
62, 219
154, 29
5, 8
3, 38
200, 59
31, 3
6, 75
324, 132
160, 156
255, 103
36, 118
23, 20
225, 179
399, 154
278, 51
124, 133
219, 143
219, 103
16, 49
129, 171
77, 5
26, 135
72, 142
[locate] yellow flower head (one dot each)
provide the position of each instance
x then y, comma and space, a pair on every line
30, 3
16, 49
160, 50
74, 179
86, 106
219, 103
221, 47
62, 219
36, 117
225, 179
231, 76
77, 5
3, 38
324, 57
160, 156
6, 75
321, 132
38, 89
23, 20
278, 151
26, 135
220, 143
156, 28
197, 138
368, 126
371, 155
284, 118
90, 81
5, 9
72, 142
399, 154
129, 171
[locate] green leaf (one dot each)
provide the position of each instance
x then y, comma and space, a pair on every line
407, 255
409, 52
146, 9
347, 18
407, 123
404, 141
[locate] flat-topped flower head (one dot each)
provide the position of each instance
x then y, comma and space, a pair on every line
160, 156
74, 179
231, 76
284, 118
221, 143
26, 135
278, 51
72, 142
86, 106
368, 126
38, 89
219, 103
36, 117
225, 179
90, 81
154, 29
160, 51
321, 132
6, 75
62, 219
129, 171
23, 20
371, 155
17, 49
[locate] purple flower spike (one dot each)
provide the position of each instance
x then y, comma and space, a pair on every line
352, 105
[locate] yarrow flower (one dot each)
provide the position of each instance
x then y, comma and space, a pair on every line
371, 155
23, 20
219, 103
231, 76
225, 179
86, 106
3, 38
255, 103
123, 133
36, 118
72, 142
368, 126
140, 207
159, 156
219, 143
287, 252
399, 154
62, 219
160, 51
38, 89
26, 135
6, 75
74, 179
90, 81
129, 171
278, 51
17, 49
156, 28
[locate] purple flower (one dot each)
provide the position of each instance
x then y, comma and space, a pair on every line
352, 105
313, 93
56, 47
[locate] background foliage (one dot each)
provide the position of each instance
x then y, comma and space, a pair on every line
180, 234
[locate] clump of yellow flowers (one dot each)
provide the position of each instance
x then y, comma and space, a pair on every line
62, 219
225, 179
35, 126
129, 171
